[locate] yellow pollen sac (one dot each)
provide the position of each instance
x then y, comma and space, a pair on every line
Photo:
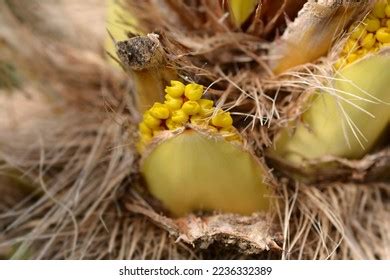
368, 41
379, 10
193, 91
222, 119
173, 103
151, 121
144, 129
372, 24
159, 111
383, 35
176, 89
179, 117
191, 107
358, 32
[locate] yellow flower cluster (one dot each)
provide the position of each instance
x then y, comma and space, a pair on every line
368, 36
184, 105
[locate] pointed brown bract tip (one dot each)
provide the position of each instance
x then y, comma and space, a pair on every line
141, 52
144, 58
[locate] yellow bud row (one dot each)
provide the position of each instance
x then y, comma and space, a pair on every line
184, 105
368, 36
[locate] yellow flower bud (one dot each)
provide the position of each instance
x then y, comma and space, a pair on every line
387, 11
350, 46
198, 120
143, 128
361, 53
368, 41
173, 103
179, 117
176, 89
193, 91
222, 119
358, 32
372, 24
352, 57
145, 138
151, 121
206, 107
172, 125
206, 112
379, 9
191, 107
383, 35
206, 103
159, 111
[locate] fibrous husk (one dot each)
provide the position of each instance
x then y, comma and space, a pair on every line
78, 147
48, 19
374, 167
313, 32
347, 120
252, 234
